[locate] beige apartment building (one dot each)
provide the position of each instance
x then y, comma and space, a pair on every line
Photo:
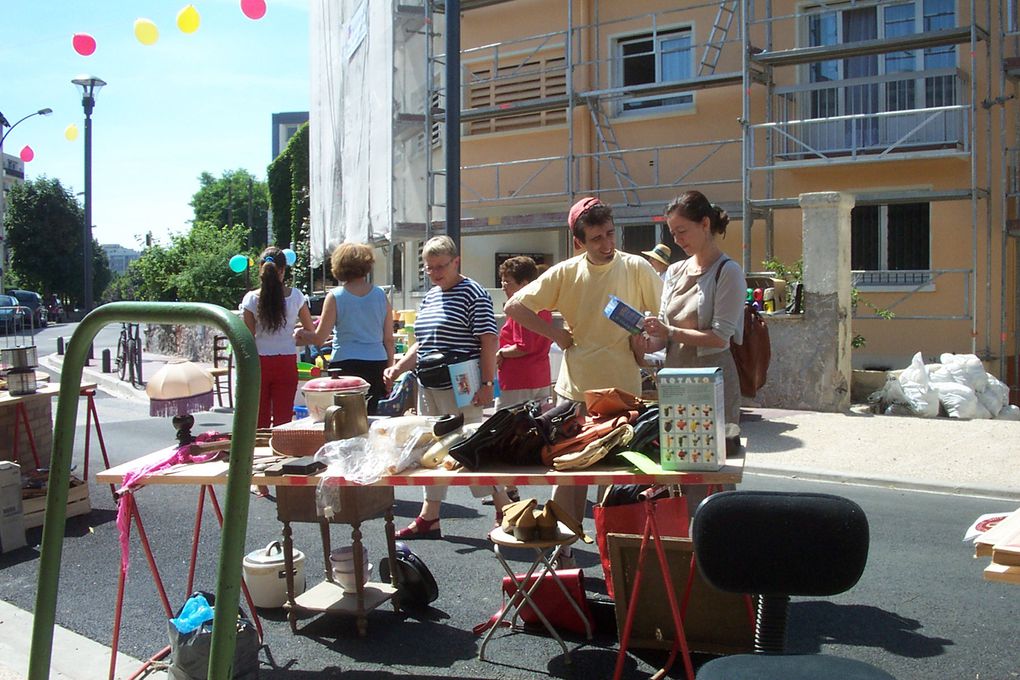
908, 105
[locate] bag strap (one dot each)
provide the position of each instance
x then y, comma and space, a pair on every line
718, 271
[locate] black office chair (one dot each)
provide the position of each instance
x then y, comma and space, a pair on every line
775, 545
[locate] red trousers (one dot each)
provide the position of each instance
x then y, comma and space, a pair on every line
279, 384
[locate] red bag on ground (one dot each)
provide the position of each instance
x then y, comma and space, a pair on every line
671, 518
550, 599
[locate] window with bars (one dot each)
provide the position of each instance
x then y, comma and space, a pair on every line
502, 84
656, 57
892, 243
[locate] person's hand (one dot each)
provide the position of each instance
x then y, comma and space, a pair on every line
483, 397
499, 358
390, 375
655, 328
640, 343
563, 337
299, 335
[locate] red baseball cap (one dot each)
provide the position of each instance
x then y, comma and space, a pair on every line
580, 207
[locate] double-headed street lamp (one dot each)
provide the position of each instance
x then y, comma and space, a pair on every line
89, 86
4, 123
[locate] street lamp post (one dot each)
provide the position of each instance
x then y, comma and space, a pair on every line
4, 123
88, 86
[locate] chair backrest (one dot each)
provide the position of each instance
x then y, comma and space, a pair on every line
222, 354
772, 543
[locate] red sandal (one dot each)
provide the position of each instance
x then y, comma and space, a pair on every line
420, 528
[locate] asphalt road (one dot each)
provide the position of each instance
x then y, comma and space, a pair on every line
921, 610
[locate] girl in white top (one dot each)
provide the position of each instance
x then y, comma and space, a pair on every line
271, 312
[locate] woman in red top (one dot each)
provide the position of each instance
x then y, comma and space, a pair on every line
523, 357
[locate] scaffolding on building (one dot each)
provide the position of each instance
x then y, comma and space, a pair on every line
563, 77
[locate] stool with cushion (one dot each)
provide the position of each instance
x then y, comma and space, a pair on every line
223, 367
775, 545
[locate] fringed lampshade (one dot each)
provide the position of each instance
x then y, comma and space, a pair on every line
178, 390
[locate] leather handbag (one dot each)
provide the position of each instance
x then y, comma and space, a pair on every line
549, 598
416, 586
609, 402
510, 436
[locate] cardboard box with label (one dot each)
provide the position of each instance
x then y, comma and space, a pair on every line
691, 419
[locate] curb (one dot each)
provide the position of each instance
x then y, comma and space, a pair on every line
107, 382
814, 474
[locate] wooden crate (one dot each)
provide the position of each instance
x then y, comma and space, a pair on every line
34, 509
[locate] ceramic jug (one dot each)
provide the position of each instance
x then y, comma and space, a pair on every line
348, 417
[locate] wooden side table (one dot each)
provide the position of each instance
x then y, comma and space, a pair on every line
353, 506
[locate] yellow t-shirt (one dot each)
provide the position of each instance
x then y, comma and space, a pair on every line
600, 356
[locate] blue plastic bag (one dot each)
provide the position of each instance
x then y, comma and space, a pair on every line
195, 612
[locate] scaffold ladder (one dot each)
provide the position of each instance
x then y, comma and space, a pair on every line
717, 37
612, 153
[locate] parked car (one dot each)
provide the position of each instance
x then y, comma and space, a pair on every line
13, 316
34, 302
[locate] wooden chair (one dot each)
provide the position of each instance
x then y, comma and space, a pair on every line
223, 369
774, 545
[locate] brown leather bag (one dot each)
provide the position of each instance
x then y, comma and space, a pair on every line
610, 402
752, 357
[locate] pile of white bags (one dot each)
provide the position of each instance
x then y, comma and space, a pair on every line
959, 384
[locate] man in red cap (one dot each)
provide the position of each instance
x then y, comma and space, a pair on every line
596, 352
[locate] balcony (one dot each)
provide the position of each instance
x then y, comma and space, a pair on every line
895, 116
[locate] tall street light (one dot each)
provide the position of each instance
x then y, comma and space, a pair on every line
4, 123
88, 86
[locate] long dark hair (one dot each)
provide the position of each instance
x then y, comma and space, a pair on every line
272, 308
694, 206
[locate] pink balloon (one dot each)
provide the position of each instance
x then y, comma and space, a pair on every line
253, 9
84, 44
27, 154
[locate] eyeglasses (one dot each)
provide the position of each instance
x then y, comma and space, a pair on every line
438, 268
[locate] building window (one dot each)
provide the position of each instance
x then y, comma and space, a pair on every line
658, 57
892, 243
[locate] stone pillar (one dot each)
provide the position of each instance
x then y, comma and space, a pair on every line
826, 237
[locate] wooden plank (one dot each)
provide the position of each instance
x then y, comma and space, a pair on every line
1002, 573
984, 544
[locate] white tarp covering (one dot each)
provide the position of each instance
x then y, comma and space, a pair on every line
351, 145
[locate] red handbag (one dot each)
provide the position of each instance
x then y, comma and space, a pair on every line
671, 517
550, 599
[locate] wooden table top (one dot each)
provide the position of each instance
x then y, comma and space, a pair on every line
46, 389
215, 473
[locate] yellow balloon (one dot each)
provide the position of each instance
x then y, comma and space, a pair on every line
146, 31
71, 132
188, 19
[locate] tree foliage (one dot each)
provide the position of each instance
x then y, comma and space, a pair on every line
223, 201
193, 268
288, 182
44, 236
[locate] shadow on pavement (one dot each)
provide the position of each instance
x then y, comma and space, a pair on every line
813, 624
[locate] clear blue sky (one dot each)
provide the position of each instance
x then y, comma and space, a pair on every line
190, 103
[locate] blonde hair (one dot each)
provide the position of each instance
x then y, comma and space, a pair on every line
439, 245
352, 261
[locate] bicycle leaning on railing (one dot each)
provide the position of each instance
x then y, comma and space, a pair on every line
129, 353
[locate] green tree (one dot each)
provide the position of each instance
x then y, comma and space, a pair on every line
193, 268
288, 186
44, 236
224, 201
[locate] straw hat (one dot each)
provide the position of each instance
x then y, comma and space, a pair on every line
660, 253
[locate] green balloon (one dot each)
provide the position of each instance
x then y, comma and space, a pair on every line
238, 263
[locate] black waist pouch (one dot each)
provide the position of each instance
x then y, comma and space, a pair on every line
434, 368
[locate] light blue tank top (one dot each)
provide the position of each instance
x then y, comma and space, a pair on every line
359, 325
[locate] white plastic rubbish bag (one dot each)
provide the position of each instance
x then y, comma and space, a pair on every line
917, 390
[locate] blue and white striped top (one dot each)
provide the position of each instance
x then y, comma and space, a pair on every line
453, 319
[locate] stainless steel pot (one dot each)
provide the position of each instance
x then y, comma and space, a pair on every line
22, 381
348, 417
19, 357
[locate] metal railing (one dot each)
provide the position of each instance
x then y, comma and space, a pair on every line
908, 282
242, 445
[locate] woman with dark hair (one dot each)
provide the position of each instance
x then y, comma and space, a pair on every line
360, 317
271, 313
522, 361
702, 298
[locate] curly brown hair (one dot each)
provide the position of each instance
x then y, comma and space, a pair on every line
521, 269
352, 261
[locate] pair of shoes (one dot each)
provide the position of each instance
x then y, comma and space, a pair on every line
420, 528
260, 491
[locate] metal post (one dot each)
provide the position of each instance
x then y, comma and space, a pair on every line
88, 102
453, 121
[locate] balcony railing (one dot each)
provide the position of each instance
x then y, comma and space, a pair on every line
874, 117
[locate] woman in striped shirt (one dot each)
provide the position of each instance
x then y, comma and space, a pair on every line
455, 316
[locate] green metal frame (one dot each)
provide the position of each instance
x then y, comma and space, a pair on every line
242, 444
